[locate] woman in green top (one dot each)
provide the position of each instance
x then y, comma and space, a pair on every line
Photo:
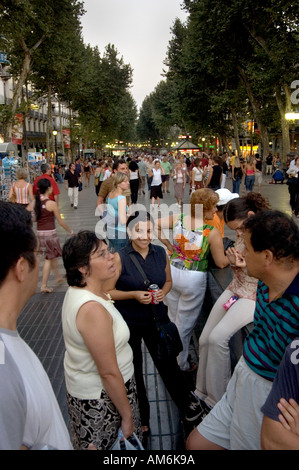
193, 239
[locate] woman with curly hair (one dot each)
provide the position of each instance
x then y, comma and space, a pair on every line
193, 239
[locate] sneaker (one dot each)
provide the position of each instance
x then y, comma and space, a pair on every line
75, 207
196, 411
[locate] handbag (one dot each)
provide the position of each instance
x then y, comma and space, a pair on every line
168, 338
131, 443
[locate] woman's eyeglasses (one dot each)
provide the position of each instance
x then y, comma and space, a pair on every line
105, 253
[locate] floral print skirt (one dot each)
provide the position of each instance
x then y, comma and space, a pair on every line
98, 421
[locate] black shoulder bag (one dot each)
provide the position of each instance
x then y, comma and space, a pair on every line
169, 341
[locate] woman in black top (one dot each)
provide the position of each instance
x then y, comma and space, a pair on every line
133, 300
215, 176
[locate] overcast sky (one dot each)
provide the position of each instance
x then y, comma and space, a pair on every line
140, 31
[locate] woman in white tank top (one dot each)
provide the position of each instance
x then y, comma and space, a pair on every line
98, 364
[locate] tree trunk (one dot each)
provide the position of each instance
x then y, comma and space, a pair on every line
236, 132
22, 78
285, 127
49, 135
18, 89
263, 130
60, 127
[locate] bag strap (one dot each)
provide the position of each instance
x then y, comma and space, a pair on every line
146, 281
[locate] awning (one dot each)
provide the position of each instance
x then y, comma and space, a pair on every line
186, 145
7, 147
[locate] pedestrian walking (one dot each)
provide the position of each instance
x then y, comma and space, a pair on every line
156, 185
237, 174
46, 172
134, 180
46, 212
72, 180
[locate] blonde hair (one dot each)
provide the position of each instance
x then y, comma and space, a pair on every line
205, 196
119, 178
21, 174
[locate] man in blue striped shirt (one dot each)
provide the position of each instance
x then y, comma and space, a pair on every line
272, 255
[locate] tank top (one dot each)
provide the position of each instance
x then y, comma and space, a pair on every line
81, 373
215, 180
22, 195
157, 179
191, 247
47, 218
198, 172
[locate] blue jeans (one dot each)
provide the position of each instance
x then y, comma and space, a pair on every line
236, 185
249, 182
116, 240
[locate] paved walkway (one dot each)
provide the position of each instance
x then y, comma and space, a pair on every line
40, 321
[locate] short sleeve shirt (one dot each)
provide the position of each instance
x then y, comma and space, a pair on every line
286, 382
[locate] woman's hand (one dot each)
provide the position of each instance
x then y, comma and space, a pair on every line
160, 295
289, 416
235, 257
127, 427
144, 297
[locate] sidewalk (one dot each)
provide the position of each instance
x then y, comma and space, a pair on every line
40, 322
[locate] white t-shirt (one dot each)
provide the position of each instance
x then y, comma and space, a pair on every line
29, 412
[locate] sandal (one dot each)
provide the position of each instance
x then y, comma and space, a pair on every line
46, 290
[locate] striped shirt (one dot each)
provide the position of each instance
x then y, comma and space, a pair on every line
276, 324
22, 194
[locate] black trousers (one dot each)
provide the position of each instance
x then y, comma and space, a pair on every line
134, 185
177, 386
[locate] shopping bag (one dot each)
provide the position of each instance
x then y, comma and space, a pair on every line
131, 443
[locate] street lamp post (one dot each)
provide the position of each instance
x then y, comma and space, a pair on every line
55, 136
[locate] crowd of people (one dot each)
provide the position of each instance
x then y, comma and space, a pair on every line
108, 311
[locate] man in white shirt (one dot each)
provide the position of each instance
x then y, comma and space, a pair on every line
29, 413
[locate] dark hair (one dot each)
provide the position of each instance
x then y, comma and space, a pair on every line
42, 186
17, 237
76, 254
274, 231
133, 166
121, 161
139, 216
237, 209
